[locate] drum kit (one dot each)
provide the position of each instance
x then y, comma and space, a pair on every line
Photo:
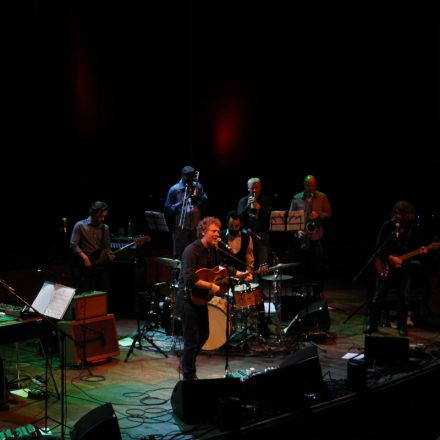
245, 303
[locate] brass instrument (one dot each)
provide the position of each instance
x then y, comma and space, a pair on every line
310, 225
252, 207
189, 198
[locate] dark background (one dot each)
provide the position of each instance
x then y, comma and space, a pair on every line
109, 101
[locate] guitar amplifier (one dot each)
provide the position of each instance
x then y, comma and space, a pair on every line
90, 340
87, 305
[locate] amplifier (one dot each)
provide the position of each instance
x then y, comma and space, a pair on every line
87, 305
92, 340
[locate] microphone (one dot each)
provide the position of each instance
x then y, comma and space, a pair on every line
64, 220
396, 232
226, 245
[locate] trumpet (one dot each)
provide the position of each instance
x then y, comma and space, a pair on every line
252, 207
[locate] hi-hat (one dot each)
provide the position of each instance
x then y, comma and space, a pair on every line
283, 266
277, 277
175, 264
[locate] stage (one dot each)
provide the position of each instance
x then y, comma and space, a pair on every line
139, 383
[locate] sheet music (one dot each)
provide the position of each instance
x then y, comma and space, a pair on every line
156, 221
53, 299
278, 221
295, 220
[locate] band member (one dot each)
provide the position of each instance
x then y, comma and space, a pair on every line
90, 243
316, 207
194, 291
397, 236
239, 242
255, 209
184, 207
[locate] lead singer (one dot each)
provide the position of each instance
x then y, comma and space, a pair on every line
194, 293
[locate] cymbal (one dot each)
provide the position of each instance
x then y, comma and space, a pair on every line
175, 264
283, 266
277, 277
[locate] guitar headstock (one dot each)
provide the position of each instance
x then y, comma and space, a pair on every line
435, 245
142, 240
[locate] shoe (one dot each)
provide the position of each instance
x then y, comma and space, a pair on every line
403, 331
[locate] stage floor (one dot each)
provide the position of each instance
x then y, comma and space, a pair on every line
139, 388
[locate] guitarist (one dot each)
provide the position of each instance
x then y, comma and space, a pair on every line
396, 237
90, 243
194, 293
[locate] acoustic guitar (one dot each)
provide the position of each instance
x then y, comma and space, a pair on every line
383, 268
218, 275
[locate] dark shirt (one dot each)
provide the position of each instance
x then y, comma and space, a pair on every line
89, 238
407, 241
196, 256
260, 223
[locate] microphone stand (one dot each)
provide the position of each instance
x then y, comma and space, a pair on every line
62, 334
231, 286
370, 260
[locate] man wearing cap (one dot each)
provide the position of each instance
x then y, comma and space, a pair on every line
184, 208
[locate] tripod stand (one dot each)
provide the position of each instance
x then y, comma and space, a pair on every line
141, 334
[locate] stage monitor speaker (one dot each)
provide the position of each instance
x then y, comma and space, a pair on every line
308, 368
92, 340
386, 350
194, 401
313, 316
100, 422
275, 390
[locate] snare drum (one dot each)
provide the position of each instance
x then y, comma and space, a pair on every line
248, 295
217, 308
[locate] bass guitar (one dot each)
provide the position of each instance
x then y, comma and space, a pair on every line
383, 268
218, 275
101, 257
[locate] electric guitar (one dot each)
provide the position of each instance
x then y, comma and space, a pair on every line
101, 257
218, 275
383, 268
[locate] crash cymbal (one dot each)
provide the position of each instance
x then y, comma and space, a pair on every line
175, 264
276, 277
283, 266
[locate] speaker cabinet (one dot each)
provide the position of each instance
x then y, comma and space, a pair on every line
197, 400
100, 422
312, 316
90, 340
305, 363
275, 390
386, 350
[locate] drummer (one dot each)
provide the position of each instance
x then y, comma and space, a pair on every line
240, 244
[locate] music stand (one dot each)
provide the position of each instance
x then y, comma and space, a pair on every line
156, 221
281, 221
52, 301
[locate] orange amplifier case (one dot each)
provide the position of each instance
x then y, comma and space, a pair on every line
87, 305
90, 340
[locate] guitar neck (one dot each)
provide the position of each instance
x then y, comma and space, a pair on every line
416, 252
124, 247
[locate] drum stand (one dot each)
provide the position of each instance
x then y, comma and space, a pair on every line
141, 333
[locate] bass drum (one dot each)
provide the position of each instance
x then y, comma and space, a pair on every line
217, 308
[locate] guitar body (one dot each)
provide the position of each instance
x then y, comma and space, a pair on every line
217, 275
382, 267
